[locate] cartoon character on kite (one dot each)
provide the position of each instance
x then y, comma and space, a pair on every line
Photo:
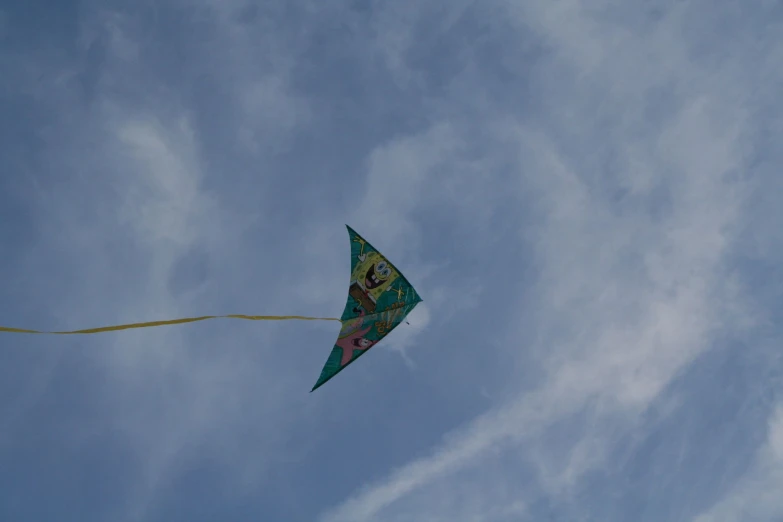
351, 337
370, 277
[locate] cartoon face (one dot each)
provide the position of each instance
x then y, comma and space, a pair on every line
377, 274
363, 343
372, 275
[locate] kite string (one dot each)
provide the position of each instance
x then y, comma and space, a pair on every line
170, 322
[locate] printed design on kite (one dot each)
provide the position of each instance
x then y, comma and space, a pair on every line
379, 299
351, 337
371, 276
375, 283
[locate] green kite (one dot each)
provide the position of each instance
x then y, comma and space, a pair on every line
379, 299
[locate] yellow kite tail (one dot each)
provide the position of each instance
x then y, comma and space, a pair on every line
172, 321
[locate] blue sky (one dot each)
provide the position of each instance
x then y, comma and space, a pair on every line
585, 194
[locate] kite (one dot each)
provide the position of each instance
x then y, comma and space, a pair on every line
379, 299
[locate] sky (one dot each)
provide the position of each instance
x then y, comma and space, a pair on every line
585, 194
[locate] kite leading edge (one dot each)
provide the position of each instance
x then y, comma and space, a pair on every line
379, 298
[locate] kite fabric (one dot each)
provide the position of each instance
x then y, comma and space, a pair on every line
379, 299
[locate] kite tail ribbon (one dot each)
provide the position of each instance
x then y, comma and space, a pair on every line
170, 322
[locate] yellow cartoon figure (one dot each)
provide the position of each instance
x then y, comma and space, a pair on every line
371, 276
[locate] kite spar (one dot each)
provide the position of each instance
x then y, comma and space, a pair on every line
379, 299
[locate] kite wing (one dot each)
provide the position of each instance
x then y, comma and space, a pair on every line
379, 298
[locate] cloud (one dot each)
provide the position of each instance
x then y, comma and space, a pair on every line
124, 204
755, 497
635, 221
584, 194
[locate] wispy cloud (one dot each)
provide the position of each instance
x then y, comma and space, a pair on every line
638, 203
585, 195
756, 496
